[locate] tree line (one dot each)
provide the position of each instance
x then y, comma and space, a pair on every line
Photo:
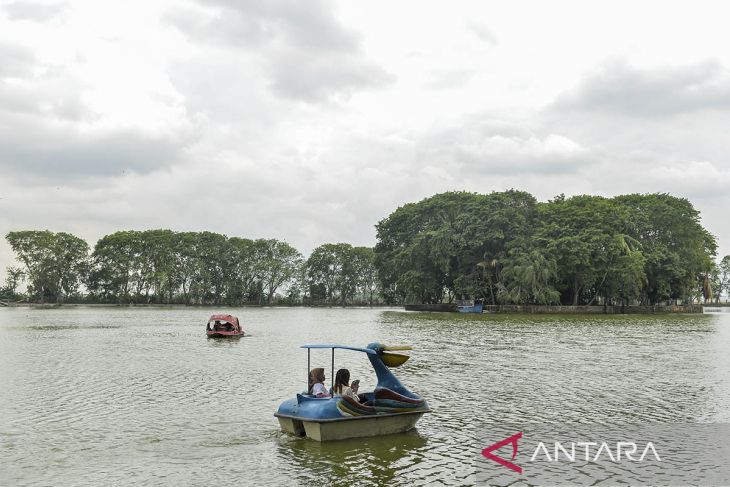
508, 248
502, 247
167, 267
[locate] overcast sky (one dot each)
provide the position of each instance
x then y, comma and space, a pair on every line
311, 121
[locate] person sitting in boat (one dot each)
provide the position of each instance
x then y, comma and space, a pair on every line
342, 385
316, 383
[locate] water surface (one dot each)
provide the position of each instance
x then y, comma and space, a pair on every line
139, 396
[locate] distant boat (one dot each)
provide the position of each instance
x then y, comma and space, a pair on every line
470, 306
223, 326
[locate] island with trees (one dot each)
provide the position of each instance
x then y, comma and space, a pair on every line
504, 248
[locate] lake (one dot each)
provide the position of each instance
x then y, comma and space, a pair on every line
139, 396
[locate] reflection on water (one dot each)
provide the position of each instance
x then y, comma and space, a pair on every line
98, 396
372, 461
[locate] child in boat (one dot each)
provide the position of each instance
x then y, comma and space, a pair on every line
316, 383
341, 388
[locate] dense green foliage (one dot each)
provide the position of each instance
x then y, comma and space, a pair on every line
508, 248
55, 263
503, 247
340, 273
719, 279
162, 266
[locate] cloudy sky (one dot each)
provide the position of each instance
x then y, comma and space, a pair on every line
311, 121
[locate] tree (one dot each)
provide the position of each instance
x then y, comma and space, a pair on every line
678, 251
723, 276
365, 273
156, 260
507, 247
211, 268
528, 277
184, 264
244, 263
55, 263
115, 266
581, 233
450, 243
330, 273
280, 262
13, 279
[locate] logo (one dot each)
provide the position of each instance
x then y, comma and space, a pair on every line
487, 452
577, 454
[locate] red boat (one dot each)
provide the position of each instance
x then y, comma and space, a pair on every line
223, 326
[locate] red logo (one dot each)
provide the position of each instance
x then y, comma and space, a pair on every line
487, 452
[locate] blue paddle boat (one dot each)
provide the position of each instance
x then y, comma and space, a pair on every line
476, 306
390, 408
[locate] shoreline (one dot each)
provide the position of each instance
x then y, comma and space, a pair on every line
429, 308
568, 309
211, 306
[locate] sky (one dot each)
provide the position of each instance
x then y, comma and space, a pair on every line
311, 121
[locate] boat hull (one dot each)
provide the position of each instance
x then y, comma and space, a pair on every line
224, 334
354, 427
477, 308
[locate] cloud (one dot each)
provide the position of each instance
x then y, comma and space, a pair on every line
59, 137
695, 178
34, 11
304, 75
482, 32
449, 79
308, 56
650, 129
210, 23
55, 97
310, 122
79, 119
43, 153
617, 87
17, 61
491, 147
310, 25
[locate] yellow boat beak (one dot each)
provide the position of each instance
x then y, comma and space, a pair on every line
398, 347
394, 359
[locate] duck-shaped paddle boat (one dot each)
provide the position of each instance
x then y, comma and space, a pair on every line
390, 408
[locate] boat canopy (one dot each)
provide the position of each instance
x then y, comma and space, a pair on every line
331, 346
227, 318
343, 347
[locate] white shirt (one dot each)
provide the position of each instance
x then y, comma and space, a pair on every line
319, 388
350, 393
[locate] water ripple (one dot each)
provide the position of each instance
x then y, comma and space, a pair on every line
118, 396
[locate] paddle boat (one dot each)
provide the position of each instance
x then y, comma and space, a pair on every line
390, 408
476, 306
223, 326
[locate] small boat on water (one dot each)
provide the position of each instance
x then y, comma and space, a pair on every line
390, 408
476, 306
223, 326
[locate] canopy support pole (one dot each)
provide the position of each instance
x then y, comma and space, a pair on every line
332, 377
309, 353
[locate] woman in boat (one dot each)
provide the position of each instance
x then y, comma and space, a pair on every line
316, 383
342, 387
